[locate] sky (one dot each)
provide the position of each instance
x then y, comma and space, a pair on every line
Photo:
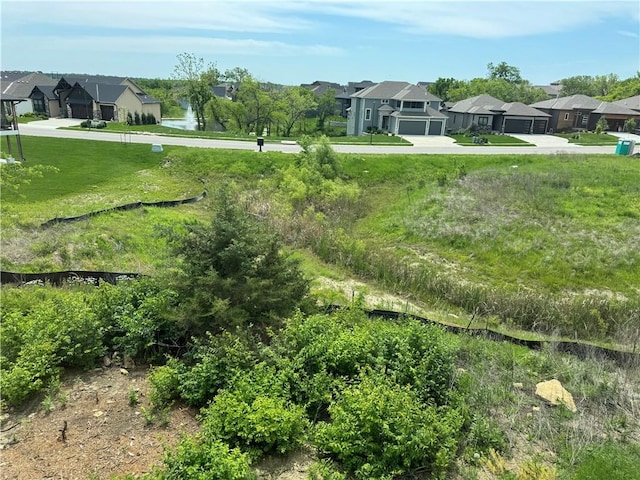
294, 42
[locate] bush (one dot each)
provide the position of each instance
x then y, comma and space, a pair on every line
214, 363
136, 118
135, 312
379, 429
57, 330
255, 416
200, 459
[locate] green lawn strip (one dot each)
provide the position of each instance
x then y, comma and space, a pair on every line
590, 139
114, 127
493, 140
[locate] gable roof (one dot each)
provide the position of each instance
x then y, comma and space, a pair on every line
573, 102
20, 84
429, 112
382, 90
101, 79
478, 105
415, 93
519, 109
632, 102
391, 90
320, 86
46, 90
614, 109
103, 92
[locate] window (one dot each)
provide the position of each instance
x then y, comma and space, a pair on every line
367, 114
384, 102
414, 105
566, 116
585, 118
483, 120
38, 105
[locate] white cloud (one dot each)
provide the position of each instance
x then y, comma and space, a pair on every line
89, 45
475, 19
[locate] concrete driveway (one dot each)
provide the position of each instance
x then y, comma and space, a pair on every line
542, 140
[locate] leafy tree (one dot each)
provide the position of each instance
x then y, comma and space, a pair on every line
326, 107
499, 88
504, 71
294, 104
236, 75
598, 86
258, 105
629, 87
198, 83
442, 86
234, 272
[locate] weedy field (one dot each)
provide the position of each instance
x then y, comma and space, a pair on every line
542, 246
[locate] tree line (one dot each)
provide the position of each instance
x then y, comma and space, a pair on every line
250, 105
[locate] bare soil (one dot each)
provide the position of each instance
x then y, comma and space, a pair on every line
105, 436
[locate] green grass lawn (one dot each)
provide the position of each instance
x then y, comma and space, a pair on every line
115, 127
436, 227
592, 139
494, 140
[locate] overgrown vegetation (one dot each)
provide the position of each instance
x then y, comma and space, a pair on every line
542, 243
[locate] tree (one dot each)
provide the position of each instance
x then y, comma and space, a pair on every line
236, 75
630, 125
442, 86
234, 272
326, 107
198, 83
294, 104
258, 105
504, 71
602, 125
499, 88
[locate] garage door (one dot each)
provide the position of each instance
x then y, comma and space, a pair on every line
407, 127
517, 126
540, 126
107, 112
435, 128
80, 111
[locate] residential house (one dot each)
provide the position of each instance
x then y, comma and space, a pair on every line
96, 97
399, 108
20, 84
492, 114
552, 90
580, 112
343, 95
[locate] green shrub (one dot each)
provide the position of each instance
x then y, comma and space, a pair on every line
211, 366
165, 384
326, 351
256, 416
135, 312
381, 429
199, 459
57, 330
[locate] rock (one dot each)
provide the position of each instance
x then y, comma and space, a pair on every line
106, 361
518, 385
124, 371
128, 362
554, 393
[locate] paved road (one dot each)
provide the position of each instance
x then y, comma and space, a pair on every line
545, 144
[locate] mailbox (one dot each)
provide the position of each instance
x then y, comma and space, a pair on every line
260, 142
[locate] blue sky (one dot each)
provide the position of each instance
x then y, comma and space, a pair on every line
293, 42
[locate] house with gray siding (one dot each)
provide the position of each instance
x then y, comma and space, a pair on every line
580, 112
492, 114
399, 108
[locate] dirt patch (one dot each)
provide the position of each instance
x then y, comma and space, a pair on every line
105, 435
